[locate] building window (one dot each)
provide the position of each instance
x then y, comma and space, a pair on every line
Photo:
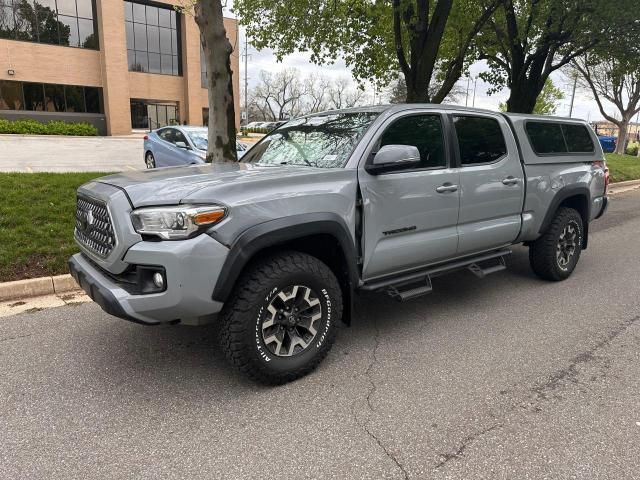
203, 69
152, 39
57, 22
48, 97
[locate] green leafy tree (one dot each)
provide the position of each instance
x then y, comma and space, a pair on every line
612, 74
547, 102
430, 41
527, 40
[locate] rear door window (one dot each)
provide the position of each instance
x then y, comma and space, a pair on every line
480, 139
166, 135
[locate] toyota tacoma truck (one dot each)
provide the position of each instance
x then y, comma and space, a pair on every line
382, 199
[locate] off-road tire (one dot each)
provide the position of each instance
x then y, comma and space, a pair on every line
245, 312
543, 253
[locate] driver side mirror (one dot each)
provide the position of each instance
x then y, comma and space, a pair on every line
394, 157
182, 145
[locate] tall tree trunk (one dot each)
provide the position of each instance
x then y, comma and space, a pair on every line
217, 54
623, 128
523, 97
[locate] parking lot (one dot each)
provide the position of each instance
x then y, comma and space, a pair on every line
508, 377
75, 154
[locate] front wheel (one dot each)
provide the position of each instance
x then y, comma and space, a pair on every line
281, 320
555, 254
149, 160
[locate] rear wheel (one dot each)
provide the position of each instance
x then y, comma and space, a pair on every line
555, 254
280, 321
149, 160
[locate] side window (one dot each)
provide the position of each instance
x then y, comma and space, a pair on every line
546, 137
423, 132
578, 138
480, 139
166, 134
554, 137
178, 136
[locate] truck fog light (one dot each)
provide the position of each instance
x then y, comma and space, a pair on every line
158, 280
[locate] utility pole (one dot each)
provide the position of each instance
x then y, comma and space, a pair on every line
466, 98
573, 94
246, 79
475, 84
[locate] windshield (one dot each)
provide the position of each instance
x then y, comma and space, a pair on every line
199, 139
324, 141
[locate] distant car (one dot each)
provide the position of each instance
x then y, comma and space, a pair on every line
253, 124
271, 125
179, 145
608, 143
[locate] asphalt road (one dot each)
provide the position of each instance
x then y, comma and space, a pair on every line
508, 377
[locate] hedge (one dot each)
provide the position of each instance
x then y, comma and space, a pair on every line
246, 130
27, 126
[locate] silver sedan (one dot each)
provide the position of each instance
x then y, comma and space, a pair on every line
179, 145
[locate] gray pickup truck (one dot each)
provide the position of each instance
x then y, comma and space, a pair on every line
383, 199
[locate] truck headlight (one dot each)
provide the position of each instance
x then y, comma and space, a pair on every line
176, 223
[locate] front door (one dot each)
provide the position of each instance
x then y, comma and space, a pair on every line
410, 216
491, 180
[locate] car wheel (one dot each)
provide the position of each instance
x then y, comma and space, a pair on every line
281, 319
149, 160
555, 254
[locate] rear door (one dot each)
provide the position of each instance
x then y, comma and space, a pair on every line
410, 215
491, 180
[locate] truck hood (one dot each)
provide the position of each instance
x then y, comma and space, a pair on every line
202, 183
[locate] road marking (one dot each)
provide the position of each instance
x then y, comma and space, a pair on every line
131, 168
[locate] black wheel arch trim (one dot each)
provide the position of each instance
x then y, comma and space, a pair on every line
561, 195
279, 231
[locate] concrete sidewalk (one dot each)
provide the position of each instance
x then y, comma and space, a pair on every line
21, 153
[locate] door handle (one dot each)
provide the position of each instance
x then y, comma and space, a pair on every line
447, 187
510, 180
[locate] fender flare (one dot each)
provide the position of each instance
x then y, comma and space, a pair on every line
275, 232
560, 196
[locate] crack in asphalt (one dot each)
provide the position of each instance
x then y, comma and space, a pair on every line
364, 425
570, 373
469, 439
17, 337
555, 381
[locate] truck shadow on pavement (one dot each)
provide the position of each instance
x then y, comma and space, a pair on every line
189, 355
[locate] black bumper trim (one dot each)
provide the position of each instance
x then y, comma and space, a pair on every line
99, 294
605, 205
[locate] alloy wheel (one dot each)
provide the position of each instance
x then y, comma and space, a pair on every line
567, 245
289, 326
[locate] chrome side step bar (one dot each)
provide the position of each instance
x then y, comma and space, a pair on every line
414, 284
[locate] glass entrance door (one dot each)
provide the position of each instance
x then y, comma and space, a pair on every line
151, 115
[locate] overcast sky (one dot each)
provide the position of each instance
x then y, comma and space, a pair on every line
584, 106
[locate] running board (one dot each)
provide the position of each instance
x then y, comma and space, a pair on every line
415, 284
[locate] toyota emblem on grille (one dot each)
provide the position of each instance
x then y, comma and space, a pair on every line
86, 224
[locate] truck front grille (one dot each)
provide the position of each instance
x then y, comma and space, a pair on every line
94, 229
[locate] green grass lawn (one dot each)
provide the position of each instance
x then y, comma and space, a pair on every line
36, 222
623, 167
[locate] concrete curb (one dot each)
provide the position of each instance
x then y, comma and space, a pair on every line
621, 187
37, 287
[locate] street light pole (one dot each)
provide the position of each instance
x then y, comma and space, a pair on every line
466, 98
475, 84
573, 94
246, 79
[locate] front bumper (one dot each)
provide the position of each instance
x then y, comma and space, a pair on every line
192, 268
